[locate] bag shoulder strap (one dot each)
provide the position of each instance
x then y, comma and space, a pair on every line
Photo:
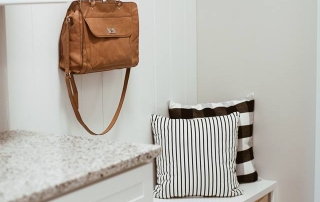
73, 96
73, 92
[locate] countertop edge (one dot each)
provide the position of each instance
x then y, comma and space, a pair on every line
109, 166
90, 178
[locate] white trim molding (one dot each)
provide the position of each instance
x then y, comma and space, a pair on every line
9, 2
317, 135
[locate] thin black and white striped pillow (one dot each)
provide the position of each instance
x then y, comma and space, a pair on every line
198, 156
246, 171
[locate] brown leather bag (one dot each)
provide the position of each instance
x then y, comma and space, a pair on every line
98, 36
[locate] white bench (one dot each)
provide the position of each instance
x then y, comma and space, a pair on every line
252, 192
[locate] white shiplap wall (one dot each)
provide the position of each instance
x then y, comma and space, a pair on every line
37, 93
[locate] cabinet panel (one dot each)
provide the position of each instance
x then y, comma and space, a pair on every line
135, 185
264, 199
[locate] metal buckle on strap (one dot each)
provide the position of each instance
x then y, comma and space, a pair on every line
93, 2
119, 3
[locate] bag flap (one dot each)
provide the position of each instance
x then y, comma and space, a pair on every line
110, 27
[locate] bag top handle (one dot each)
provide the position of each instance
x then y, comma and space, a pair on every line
93, 2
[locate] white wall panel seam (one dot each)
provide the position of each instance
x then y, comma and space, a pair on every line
139, 105
185, 51
5, 70
317, 135
80, 105
155, 58
102, 102
57, 31
6, 90
33, 66
170, 13
191, 51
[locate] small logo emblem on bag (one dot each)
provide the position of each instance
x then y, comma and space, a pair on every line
111, 30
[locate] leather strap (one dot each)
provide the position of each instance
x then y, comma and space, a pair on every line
73, 96
73, 92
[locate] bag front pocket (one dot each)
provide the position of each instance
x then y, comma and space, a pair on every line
109, 41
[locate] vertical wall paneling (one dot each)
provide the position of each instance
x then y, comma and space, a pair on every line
129, 118
20, 61
45, 62
68, 121
3, 74
147, 80
38, 96
130, 113
112, 88
317, 136
91, 101
13, 2
162, 55
190, 51
178, 57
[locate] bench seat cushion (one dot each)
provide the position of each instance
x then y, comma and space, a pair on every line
251, 192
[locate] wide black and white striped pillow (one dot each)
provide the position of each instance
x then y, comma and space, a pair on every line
245, 169
198, 156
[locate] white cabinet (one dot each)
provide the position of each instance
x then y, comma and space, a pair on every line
135, 185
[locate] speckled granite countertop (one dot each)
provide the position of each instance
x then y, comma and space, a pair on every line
36, 167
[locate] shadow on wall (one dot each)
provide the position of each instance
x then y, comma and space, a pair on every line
3, 74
